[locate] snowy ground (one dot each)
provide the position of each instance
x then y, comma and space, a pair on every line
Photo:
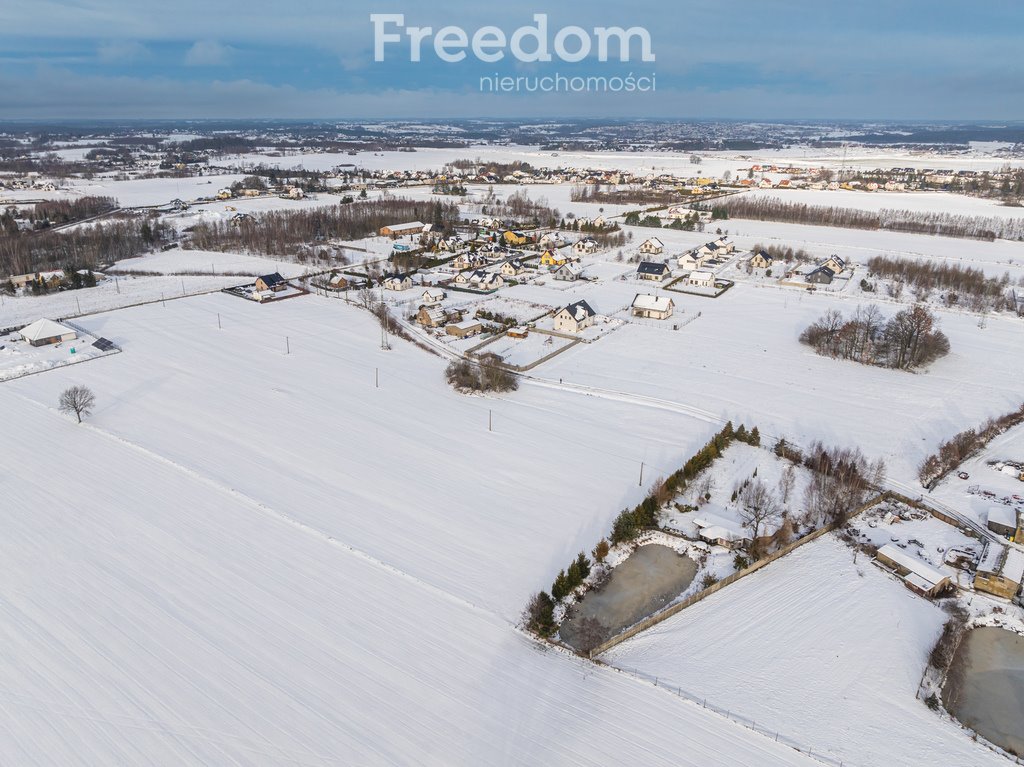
817, 645
108, 294
178, 261
741, 360
274, 589
919, 202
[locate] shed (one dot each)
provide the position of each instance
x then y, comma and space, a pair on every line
1002, 520
918, 576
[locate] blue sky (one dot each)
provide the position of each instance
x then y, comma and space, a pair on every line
768, 59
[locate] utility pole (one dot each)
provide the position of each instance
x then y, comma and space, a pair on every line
641, 483
218, 321
183, 286
162, 302
117, 285
78, 304
376, 378
490, 421
287, 346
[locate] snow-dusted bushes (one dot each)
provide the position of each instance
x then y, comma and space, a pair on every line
484, 375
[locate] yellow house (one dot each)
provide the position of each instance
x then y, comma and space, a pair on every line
550, 258
515, 238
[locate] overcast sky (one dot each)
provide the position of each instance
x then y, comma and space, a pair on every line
760, 59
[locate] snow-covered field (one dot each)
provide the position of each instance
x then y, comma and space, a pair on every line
918, 202
214, 577
819, 645
108, 294
179, 261
741, 360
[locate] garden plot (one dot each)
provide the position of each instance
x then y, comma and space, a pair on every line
504, 306
818, 648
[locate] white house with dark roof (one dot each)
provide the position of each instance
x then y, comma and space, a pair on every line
574, 317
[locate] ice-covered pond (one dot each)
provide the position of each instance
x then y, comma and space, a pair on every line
651, 576
985, 686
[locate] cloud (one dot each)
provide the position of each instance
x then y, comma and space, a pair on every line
208, 53
118, 51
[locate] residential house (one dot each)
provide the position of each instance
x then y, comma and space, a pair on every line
761, 260
517, 239
464, 329
433, 296
835, 263
552, 241
1000, 570
569, 272
43, 332
652, 307
652, 270
821, 275
512, 268
585, 246
450, 244
574, 317
552, 258
701, 279
397, 281
690, 260
652, 246
482, 280
918, 576
431, 316
468, 260
720, 532
270, 282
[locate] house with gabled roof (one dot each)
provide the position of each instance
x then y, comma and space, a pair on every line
652, 270
652, 246
574, 317
273, 282
652, 307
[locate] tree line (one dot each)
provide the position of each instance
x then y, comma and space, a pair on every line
87, 246
962, 446
963, 285
290, 231
908, 340
55, 212
944, 224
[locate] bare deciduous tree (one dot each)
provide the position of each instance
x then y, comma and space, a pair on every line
758, 507
78, 400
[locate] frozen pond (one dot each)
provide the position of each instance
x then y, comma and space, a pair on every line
651, 577
985, 688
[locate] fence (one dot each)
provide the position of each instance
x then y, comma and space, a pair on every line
677, 607
750, 724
